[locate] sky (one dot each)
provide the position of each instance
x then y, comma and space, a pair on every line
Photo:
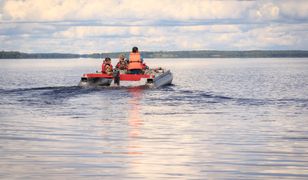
89, 26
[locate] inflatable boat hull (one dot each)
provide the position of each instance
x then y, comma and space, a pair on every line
153, 79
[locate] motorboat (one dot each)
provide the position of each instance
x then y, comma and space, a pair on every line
153, 78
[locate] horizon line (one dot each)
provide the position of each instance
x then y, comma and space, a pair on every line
154, 51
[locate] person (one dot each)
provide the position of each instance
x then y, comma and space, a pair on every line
135, 62
107, 66
144, 67
122, 64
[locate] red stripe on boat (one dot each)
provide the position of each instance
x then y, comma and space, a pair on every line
133, 77
123, 77
99, 76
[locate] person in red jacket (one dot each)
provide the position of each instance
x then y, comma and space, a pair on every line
122, 64
107, 66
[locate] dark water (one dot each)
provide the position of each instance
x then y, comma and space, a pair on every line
221, 119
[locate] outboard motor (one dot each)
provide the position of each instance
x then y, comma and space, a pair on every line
116, 77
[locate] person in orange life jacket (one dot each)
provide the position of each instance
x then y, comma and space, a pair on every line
122, 64
135, 62
107, 66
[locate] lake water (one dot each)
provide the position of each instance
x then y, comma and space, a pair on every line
221, 119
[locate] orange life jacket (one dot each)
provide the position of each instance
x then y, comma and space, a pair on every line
134, 61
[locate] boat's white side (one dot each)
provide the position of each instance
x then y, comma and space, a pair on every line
94, 82
161, 80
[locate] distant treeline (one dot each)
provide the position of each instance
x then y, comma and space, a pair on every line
163, 54
20, 55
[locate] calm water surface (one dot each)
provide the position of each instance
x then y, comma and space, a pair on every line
221, 119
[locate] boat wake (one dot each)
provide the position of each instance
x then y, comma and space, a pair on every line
168, 95
175, 97
40, 95
57, 95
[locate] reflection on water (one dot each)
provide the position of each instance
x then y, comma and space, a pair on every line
151, 148
222, 119
134, 118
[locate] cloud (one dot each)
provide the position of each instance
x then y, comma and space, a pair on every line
168, 10
294, 9
55, 10
177, 10
277, 36
90, 31
266, 11
116, 25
